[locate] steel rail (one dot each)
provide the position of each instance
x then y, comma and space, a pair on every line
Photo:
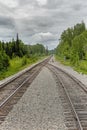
20, 86
12, 94
70, 101
21, 73
74, 111
72, 77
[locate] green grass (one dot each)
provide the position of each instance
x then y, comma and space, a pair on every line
81, 68
17, 64
61, 60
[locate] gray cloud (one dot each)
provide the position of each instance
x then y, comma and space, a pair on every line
77, 7
39, 20
7, 22
54, 4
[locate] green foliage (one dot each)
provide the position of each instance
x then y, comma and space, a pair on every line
78, 45
74, 59
37, 49
19, 63
73, 44
24, 61
79, 28
82, 66
18, 48
72, 49
19, 55
4, 61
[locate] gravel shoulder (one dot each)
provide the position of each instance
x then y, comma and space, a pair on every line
79, 76
40, 107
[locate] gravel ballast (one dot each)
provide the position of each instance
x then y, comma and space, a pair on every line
81, 77
40, 107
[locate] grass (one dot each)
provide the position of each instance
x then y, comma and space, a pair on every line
17, 64
81, 68
64, 62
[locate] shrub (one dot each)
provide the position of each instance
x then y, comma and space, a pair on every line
24, 61
75, 59
4, 61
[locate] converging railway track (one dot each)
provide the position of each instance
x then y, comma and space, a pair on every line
12, 91
73, 95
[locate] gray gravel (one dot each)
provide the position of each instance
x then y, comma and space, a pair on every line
79, 76
40, 107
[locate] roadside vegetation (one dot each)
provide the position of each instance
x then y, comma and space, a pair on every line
15, 56
72, 48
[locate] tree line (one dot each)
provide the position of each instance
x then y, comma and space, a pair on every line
14, 48
73, 44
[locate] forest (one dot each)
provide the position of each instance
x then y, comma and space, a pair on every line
72, 46
16, 51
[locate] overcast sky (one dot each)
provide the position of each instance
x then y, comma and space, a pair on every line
39, 21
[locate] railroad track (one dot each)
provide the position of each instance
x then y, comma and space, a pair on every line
12, 90
73, 96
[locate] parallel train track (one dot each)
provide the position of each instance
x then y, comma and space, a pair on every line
12, 90
73, 95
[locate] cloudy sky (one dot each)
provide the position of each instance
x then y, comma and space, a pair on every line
39, 21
